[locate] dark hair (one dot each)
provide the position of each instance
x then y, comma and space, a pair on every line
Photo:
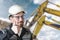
10, 16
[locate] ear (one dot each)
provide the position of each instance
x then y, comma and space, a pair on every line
11, 19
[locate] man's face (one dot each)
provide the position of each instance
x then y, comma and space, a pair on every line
18, 19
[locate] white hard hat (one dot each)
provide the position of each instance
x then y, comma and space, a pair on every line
15, 9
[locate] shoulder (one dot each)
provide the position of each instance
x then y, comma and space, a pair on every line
27, 34
26, 30
3, 33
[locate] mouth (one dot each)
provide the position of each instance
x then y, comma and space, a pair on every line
20, 22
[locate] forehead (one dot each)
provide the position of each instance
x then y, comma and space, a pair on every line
19, 14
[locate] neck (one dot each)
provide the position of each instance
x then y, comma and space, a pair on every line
18, 28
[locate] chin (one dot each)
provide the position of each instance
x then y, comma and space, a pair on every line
21, 25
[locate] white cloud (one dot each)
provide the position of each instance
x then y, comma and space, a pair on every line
41, 1
55, 2
38, 1
48, 33
53, 6
5, 19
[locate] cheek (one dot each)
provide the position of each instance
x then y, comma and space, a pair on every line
14, 20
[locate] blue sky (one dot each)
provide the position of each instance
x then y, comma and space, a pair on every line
46, 33
28, 5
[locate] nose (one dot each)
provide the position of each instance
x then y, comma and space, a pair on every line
21, 19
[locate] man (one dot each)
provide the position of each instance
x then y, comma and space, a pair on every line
16, 31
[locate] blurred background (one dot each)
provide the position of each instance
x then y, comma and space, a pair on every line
46, 33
